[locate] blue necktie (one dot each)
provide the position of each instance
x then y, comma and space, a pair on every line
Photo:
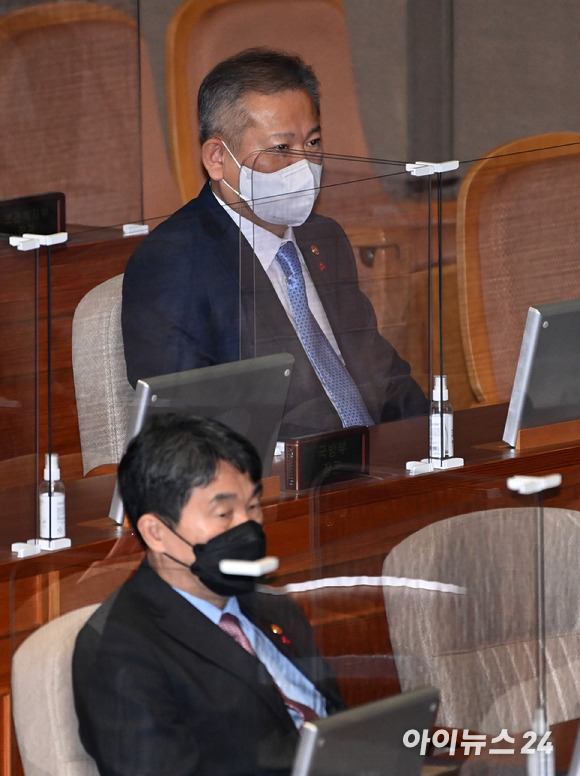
332, 373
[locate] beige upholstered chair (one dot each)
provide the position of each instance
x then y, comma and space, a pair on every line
42, 700
479, 644
80, 112
103, 393
518, 231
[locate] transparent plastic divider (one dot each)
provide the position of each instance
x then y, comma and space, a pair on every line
358, 245
481, 281
91, 130
477, 581
19, 387
39, 414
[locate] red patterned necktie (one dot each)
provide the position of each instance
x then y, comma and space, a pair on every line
230, 624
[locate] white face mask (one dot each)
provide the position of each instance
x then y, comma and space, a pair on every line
285, 197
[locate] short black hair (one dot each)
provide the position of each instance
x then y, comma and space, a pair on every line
172, 455
220, 99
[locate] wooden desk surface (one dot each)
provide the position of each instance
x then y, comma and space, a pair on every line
403, 501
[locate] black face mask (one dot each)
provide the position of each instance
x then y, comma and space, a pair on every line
246, 541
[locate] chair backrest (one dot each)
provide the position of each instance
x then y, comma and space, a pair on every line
103, 393
202, 33
518, 231
79, 108
42, 700
478, 642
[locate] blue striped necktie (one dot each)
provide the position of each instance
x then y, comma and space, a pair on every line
332, 373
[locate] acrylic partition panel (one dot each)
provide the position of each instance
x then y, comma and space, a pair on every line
69, 76
82, 119
476, 598
367, 253
19, 390
40, 407
509, 243
382, 573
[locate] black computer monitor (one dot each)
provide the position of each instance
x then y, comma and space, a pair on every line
546, 386
368, 739
249, 396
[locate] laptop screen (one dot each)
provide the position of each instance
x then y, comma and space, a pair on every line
368, 740
248, 396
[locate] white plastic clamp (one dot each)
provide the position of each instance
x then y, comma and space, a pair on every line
48, 239
430, 168
131, 229
527, 484
24, 243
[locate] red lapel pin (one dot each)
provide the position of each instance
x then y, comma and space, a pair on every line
277, 630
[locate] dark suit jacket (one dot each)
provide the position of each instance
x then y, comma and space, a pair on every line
159, 689
189, 301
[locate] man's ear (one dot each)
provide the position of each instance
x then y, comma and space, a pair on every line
212, 156
152, 532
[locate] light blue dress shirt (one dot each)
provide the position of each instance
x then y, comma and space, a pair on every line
292, 682
265, 245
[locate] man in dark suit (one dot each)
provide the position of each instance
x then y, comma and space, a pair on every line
161, 685
206, 287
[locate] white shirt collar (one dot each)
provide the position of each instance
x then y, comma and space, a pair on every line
211, 612
265, 244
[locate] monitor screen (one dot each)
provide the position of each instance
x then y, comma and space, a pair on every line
368, 739
546, 386
248, 396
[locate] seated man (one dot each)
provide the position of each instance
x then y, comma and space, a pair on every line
184, 670
212, 283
